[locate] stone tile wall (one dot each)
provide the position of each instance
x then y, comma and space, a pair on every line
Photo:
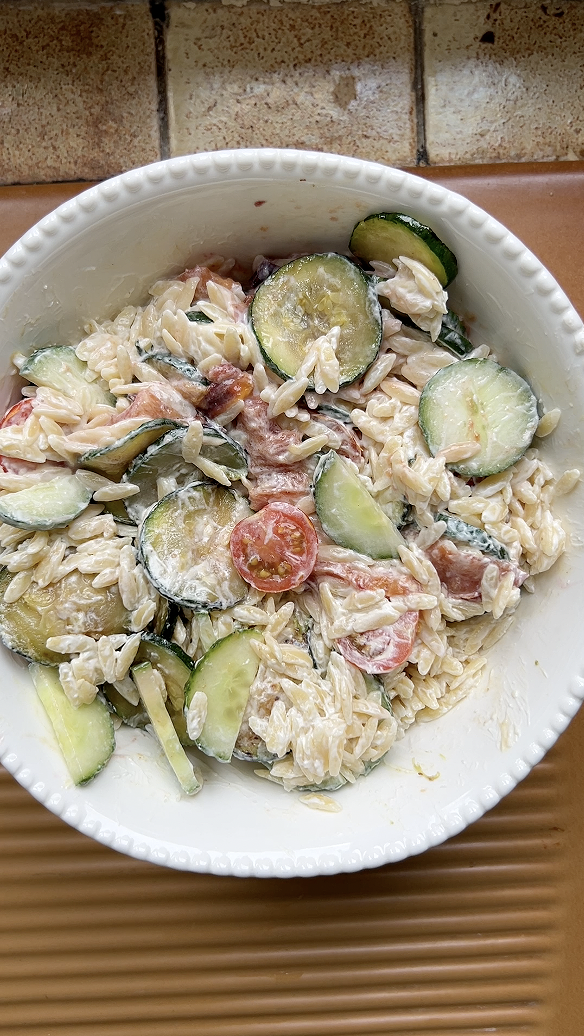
89, 88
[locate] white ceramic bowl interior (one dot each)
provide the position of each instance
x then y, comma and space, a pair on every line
102, 250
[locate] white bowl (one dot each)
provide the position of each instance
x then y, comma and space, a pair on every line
104, 248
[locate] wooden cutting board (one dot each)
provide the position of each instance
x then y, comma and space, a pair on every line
484, 934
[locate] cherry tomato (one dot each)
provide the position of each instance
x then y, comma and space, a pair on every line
16, 415
274, 549
384, 649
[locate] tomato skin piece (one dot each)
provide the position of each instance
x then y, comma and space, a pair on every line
275, 548
17, 415
384, 649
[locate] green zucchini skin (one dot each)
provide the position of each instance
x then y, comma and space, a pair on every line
288, 312
462, 532
84, 734
225, 675
452, 333
112, 461
60, 368
197, 317
478, 400
349, 514
184, 546
453, 337
46, 505
384, 236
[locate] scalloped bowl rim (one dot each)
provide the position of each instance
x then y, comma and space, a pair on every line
352, 850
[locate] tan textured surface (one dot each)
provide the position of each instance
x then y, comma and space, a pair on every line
504, 81
484, 934
327, 78
78, 93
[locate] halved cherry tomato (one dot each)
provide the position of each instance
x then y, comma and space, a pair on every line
384, 649
274, 549
16, 415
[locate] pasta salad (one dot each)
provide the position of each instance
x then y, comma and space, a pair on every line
273, 515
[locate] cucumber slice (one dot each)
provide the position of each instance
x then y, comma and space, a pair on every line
164, 459
349, 514
144, 678
170, 661
48, 505
60, 368
225, 674
479, 401
184, 546
462, 532
85, 734
70, 605
113, 460
384, 236
131, 715
306, 298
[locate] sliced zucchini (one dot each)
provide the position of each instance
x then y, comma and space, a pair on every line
171, 662
385, 236
462, 532
225, 675
144, 678
60, 368
164, 459
84, 734
307, 297
479, 401
196, 317
47, 505
71, 605
113, 460
132, 715
349, 514
184, 546
220, 448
